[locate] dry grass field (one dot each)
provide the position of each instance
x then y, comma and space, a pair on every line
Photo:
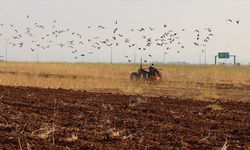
206, 82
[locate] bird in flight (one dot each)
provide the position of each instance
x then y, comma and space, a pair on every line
229, 20
115, 30
101, 27
142, 29
237, 21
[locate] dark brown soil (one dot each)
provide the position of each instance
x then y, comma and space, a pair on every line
115, 121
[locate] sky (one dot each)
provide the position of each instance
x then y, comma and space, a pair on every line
77, 15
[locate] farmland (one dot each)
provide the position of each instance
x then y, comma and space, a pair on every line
179, 81
96, 106
65, 119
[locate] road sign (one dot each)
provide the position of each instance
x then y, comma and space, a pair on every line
223, 55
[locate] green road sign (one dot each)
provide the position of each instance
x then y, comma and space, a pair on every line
223, 55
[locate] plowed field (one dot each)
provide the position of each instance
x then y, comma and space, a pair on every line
34, 118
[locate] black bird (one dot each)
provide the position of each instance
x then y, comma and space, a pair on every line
20, 44
115, 30
148, 44
237, 21
142, 29
101, 27
145, 61
229, 20
151, 28
116, 22
209, 29
196, 44
165, 25
149, 55
109, 45
164, 35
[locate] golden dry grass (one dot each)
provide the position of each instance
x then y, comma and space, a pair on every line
185, 81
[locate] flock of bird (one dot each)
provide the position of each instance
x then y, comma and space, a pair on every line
41, 37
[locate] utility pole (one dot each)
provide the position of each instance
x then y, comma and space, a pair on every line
6, 49
164, 57
134, 56
205, 54
111, 54
37, 56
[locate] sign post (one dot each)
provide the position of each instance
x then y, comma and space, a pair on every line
224, 55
